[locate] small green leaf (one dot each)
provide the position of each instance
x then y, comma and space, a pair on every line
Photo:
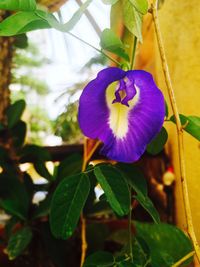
109, 2
34, 153
132, 19
18, 133
157, 144
115, 188
140, 5
13, 196
191, 124
24, 5
69, 166
110, 41
136, 180
167, 243
21, 41
18, 242
67, 203
14, 112
42, 170
100, 259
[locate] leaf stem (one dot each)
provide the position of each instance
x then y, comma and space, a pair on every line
86, 158
133, 52
190, 227
130, 232
95, 48
182, 260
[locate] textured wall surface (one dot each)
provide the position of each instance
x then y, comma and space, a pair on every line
180, 26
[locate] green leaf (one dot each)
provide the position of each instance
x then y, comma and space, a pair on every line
24, 5
115, 188
67, 203
140, 5
21, 41
132, 19
69, 166
166, 110
22, 22
110, 2
167, 243
110, 41
191, 124
100, 259
157, 144
14, 112
18, 133
42, 170
136, 180
13, 196
18, 242
34, 153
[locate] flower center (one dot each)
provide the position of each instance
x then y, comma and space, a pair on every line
125, 91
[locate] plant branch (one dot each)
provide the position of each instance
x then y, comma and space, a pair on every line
182, 260
95, 48
190, 228
86, 158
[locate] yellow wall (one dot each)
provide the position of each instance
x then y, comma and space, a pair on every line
180, 26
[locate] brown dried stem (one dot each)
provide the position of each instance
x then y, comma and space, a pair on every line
188, 214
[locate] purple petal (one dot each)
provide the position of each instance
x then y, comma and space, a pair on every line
93, 111
126, 138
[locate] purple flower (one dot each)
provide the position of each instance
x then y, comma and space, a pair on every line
124, 109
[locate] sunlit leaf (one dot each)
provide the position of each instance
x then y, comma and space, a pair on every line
140, 5
110, 41
115, 188
25, 5
18, 242
157, 144
191, 124
136, 180
67, 203
167, 243
132, 19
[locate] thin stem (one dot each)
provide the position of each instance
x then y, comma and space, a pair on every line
133, 52
182, 260
86, 158
95, 48
190, 228
130, 233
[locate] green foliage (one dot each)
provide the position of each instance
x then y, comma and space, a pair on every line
132, 19
21, 41
18, 242
157, 144
13, 196
25, 5
191, 124
24, 21
167, 244
18, 133
67, 204
100, 259
140, 5
14, 112
137, 182
115, 188
109, 41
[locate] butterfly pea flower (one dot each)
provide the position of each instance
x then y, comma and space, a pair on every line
123, 109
